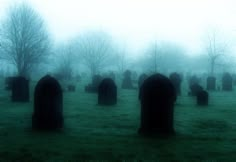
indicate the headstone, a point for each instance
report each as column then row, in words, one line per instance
column 141, row 79
column 175, row 78
column 193, row 80
column 127, row 81
column 20, row 89
column 48, row 105
column 211, row 83
column 107, row 92
column 157, row 96
column 227, row 82
column 194, row 89
column 71, row 88
column 202, row 98
column 93, row 87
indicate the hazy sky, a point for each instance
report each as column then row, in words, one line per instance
column 136, row 22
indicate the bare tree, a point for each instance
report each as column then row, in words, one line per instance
column 24, row 41
column 95, row 49
column 216, row 49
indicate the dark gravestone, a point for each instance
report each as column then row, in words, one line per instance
column 211, row 83
column 227, row 82
column 107, row 92
column 127, row 81
column 141, row 79
column 48, row 105
column 193, row 80
column 194, row 89
column 71, row 88
column 20, row 89
column 157, row 95
column 175, row 78
column 202, row 98
column 93, row 87
column 8, row 83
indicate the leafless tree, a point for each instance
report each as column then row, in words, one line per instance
column 95, row 49
column 216, row 49
column 24, row 38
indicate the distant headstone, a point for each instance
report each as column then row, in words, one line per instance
column 127, row 81
column 175, row 78
column 193, row 80
column 93, row 87
column 194, row 89
column 48, row 105
column 107, row 92
column 157, row 96
column 211, row 83
column 20, row 89
column 141, row 79
column 202, row 98
column 227, row 82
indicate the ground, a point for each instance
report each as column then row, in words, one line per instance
column 98, row 133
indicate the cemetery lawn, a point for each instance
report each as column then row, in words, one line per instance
column 93, row 132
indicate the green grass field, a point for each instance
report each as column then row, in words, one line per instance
column 97, row 133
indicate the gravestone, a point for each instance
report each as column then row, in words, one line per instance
column 48, row 105
column 127, row 81
column 211, row 83
column 202, row 98
column 71, row 88
column 20, row 89
column 157, row 96
column 227, row 82
column 175, row 78
column 141, row 79
column 193, row 80
column 107, row 92
column 194, row 89
column 93, row 87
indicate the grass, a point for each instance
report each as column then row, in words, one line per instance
column 102, row 133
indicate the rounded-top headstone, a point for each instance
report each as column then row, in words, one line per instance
column 157, row 96
column 48, row 104
column 107, row 92
column 227, row 82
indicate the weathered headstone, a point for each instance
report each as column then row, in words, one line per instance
column 211, row 83
column 107, row 92
column 141, row 79
column 127, row 81
column 227, row 82
column 93, row 87
column 20, row 89
column 157, row 96
column 48, row 105
column 194, row 89
column 175, row 78
column 202, row 98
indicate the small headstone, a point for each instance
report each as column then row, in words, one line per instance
column 127, row 81
column 141, row 79
column 48, row 105
column 202, row 98
column 227, row 82
column 107, row 92
column 157, row 96
column 20, row 89
column 175, row 78
column 71, row 88
column 211, row 83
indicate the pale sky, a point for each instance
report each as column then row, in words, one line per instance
column 136, row 22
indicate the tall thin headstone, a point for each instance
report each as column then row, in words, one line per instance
column 157, row 96
column 48, row 105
